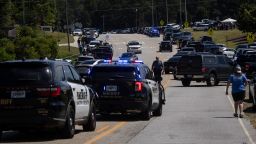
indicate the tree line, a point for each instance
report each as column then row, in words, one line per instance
column 28, row 15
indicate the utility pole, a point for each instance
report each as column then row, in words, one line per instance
column 167, row 15
column 180, row 14
column 103, row 23
column 66, row 7
column 136, row 20
column 152, row 2
column 186, row 15
column 23, row 11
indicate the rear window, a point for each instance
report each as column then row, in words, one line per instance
column 84, row 58
column 113, row 72
column 25, row 74
column 83, row 69
column 209, row 60
column 194, row 61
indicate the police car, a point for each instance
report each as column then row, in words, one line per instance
column 126, row 87
column 36, row 94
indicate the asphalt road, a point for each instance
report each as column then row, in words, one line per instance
column 192, row 115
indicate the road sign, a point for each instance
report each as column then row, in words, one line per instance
column 186, row 24
column 162, row 22
column 250, row 37
column 210, row 31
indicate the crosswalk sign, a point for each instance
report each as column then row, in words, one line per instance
column 250, row 37
column 162, row 22
column 210, row 31
column 186, row 24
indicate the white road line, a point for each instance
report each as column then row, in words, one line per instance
column 242, row 124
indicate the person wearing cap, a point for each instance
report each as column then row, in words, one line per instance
column 157, row 68
column 239, row 82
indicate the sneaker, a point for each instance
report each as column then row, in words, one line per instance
column 235, row 115
column 241, row 115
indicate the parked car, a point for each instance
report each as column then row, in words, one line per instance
column 201, row 27
column 229, row 52
column 85, row 67
column 204, row 67
column 165, row 45
column 130, row 56
column 82, row 58
column 77, row 32
column 43, row 95
column 134, row 46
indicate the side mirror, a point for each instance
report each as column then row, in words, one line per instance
column 83, row 80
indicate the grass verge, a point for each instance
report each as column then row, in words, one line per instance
column 63, row 52
column 219, row 36
column 61, row 37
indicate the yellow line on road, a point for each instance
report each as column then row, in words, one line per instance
column 242, row 124
column 106, row 133
column 102, row 129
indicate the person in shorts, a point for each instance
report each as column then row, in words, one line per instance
column 239, row 82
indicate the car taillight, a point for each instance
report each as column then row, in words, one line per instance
column 138, row 86
column 247, row 67
column 53, row 92
column 204, row 69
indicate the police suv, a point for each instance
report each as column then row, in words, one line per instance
column 47, row 94
column 125, row 87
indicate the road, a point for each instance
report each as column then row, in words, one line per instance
column 192, row 115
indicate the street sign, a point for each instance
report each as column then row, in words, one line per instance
column 186, row 24
column 210, row 31
column 162, row 22
column 250, row 37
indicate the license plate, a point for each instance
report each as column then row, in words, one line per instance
column 18, row 94
column 111, row 88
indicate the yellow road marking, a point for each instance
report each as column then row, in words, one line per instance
column 106, row 133
column 242, row 124
column 102, row 129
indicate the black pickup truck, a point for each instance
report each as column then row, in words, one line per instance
column 204, row 67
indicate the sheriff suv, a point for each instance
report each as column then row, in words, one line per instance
column 124, row 87
column 204, row 67
column 44, row 94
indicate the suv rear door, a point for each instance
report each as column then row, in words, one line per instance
column 114, row 82
column 190, row 64
column 80, row 92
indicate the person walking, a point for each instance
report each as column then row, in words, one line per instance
column 239, row 82
column 157, row 68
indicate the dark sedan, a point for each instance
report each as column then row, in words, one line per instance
column 130, row 56
column 165, row 45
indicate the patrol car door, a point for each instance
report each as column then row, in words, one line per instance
column 80, row 92
column 153, row 86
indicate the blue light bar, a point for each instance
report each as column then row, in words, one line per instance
column 123, row 61
column 107, row 61
column 138, row 61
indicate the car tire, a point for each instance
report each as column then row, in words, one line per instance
column 146, row 115
column 212, row 80
column 159, row 110
column 1, row 134
column 166, row 71
column 90, row 125
column 69, row 127
column 185, row 82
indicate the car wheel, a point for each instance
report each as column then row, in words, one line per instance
column 212, row 80
column 166, row 71
column 1, row 134
column 69, row 127
column 158, row 111
column 185, row 82
column 90, row 125
column 146, row 115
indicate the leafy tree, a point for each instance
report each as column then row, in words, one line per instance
column 247, row 18
column 7, row 49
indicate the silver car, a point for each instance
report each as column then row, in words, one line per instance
column 134, row 46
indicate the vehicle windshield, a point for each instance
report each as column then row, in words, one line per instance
column 133, row 43
column 113, row 72
column 24, row 74
column 126, row 55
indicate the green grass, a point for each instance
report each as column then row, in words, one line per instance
column 219, row 36
column 61, row 37
column 63, row 52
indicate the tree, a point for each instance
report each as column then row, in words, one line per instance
column 6, row 19
column 247, row 17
